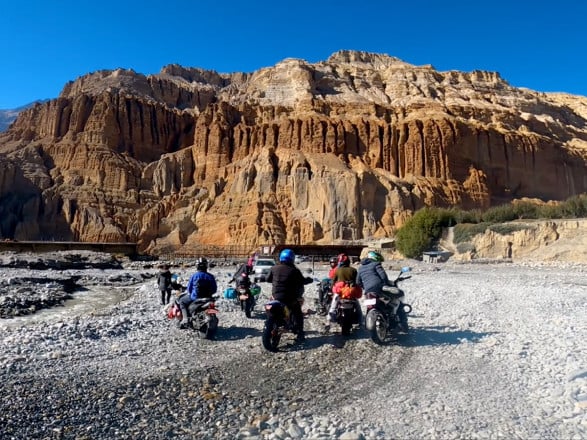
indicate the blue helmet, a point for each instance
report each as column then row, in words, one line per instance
column 287, row 256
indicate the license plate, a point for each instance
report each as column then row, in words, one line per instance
column 370, row 301
column 243, row 297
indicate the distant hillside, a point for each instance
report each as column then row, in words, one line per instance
column 8, row 116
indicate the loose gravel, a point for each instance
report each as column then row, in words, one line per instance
column 496, row 350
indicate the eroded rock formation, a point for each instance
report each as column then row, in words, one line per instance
column 343, row 149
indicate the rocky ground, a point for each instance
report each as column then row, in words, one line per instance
column 496, row 350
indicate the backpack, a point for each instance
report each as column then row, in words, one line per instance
column 347, row 290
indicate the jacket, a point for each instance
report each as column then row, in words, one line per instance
column 287, row 282
column 201, row 285
column 164, row 280
column 345, row 273
column 372, row 277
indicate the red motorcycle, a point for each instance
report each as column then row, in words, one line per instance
column 202, row 315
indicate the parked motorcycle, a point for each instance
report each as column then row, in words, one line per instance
column 202, row 315
column 279, row 321
column 382, row 310
column 247, row 294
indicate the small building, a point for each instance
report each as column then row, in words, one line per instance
column 433, row 256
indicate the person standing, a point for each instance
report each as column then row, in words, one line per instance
column 288, row 287
column 164, row 283
column 201, row 285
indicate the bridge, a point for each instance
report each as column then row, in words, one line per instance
column 129, row 249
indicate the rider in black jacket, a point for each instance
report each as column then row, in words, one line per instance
column 288, row 287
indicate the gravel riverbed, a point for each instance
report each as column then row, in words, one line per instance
column 496, row 350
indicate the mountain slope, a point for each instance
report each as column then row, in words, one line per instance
column 343, row 149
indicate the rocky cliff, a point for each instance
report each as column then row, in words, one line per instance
column 343, row 149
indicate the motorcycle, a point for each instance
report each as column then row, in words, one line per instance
column 346, row 306
column 202, row 316
column 247, row 294
column 382, row 310
column 279, row 321
column 324, row 296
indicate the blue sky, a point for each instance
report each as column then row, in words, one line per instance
column 44, row 44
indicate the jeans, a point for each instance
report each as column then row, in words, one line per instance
column 332, row 311
column 184, row 301
column 295, row 309
column 165, row 296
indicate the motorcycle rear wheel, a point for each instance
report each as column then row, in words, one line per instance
column 346, row 324
column 379, row 330
column 271, row 335
column 211, row 327
column 248, row 307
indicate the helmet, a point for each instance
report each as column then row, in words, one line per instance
column 343, row 260
column 375, row 256
column 287, row 256
column 333, row 262
column 202, row 264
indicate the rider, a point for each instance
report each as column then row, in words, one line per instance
column 345, row 276
column 201, row 285
column 288, row 287
column 333, row 266
column 372, row 278
column 242, row 272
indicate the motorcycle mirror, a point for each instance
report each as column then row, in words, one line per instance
column 406, row 269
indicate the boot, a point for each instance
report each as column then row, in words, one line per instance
column 300, row 338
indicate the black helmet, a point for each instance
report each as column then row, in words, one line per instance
column 202, row 264
column 333, row 261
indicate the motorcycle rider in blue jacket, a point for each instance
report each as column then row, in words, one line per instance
column 372, row 278
column 201, row 285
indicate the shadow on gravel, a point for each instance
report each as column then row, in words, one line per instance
column 439, row 335
column 235, row 333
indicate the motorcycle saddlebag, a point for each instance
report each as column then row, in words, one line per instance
column 174, row 312
column 229, row 293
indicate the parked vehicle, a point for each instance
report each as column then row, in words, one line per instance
column 279, row 321
column 203, row 316
column 382, row 310
column 261, row 268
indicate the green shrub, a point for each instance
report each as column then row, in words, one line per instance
column 464, row 232
column 527, row 210
column 508, row 228
column 421, row 230
column 499, row 214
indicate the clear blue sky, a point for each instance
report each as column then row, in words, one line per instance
column 44, row 44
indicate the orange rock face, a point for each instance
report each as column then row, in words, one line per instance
column 344, row 149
